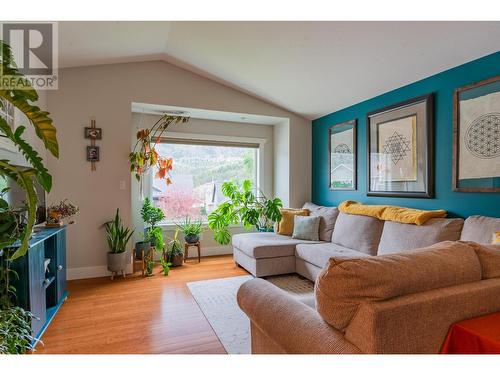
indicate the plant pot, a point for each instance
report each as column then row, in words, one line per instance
column 264, row 229
column 177, row 260
column 117, row 262
column 139, row 247
column 192, row 238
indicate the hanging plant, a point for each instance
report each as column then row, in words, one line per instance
column 144, row 155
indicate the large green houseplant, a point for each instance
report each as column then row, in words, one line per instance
column 15, row 322
column 21, row 98
column 243, row 206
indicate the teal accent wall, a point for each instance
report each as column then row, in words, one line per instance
column 443, row 86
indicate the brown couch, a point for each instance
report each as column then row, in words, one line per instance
column 394, row 303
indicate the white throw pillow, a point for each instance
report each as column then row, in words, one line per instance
column 306, row 228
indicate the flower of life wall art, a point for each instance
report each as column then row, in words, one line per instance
column 476, row 137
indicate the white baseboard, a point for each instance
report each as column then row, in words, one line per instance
column 102, row 271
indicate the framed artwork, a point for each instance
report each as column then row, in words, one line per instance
column 93, row 133
column 93, row 153
column 476, row 137
column 400, row 149
column 342, row 154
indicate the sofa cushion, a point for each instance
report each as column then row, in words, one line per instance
column 361, row 233
column 397, row 237
column 345, row 284
column 266, row 244
column 285, row 226
column 305, row 228
column 480, row 229
column 319, row 254
column 489, row 257
column 328, row 216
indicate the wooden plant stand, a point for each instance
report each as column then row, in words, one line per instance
column 186, row 248
column 142, row 261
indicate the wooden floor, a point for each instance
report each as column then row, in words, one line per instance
column 138, row 315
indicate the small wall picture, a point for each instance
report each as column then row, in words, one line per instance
column 343, row 156
column 93, row 153
column 93, row 133
column 476, row 137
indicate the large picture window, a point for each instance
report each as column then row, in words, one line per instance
column 200, row 169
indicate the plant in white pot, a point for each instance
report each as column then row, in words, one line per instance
column 117, row 236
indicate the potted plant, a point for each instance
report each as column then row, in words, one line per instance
column 191, row 230
column 62, row 210
column 117, row 236
column 144, row 245
column 175, row 254
column 165, row 265
column 153, row 235
column 243, row 206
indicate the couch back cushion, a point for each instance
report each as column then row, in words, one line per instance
column 328, row 216
column 489, row 257
column 357, row 232
column 346, row 284
column 480, row 229
column 397, row 237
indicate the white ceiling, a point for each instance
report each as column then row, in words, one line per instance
column 310, row 68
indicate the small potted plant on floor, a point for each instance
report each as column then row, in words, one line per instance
column 152, row 216
column 117, row 236
column 191, row 230
column 175, row 254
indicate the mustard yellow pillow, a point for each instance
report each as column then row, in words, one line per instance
column 496, row 238
column 285, row 226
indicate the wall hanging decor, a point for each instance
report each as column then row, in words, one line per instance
column 476, row 137
column 400, row 149
column 342, row 154
column 93, row 134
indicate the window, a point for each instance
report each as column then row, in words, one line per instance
column 200, row 169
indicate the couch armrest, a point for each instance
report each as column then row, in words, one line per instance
column 291, row 325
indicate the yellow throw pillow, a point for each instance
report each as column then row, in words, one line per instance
column 285, row 226
column 496, row 238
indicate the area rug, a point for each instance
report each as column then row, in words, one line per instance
column 217, row 300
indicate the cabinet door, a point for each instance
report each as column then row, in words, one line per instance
column 61, row 264
column 37, row 286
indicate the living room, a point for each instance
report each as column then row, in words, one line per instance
column 201, row 185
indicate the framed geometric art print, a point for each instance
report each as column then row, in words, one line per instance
column 342, row 165
column 400, row 149
column 476, row 137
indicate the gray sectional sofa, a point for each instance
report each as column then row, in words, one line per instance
column 350, row 236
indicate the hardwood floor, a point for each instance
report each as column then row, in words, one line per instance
column 138, row 315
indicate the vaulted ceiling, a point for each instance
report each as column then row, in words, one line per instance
column 309, row 68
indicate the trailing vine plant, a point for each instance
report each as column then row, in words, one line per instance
column 44, row 129
column 144, row 155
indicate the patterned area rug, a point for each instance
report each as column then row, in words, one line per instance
column 217, row 301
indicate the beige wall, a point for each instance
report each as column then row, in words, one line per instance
column 107, row 92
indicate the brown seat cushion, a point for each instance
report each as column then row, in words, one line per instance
column 489, row 257
column 345, row 284
column 357, row 232
column 397, row 237
column 328, row 216
column 319, row 254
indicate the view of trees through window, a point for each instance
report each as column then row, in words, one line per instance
column 197, row 177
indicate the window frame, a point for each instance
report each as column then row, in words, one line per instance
column 212, row 140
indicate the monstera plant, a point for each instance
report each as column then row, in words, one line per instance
column 244, row 206
column 21, row 95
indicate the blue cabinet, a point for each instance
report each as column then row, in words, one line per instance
column 41, row 287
